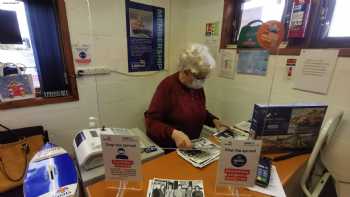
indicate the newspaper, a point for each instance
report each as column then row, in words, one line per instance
column 230, row 134
column 203, row 152
column 175, row 188
column 243, row 126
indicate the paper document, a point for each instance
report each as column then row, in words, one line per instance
column 244, row 126
column 227, row 63
column 274, row 188
column 315, row 69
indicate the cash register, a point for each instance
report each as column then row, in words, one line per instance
column 88, row 151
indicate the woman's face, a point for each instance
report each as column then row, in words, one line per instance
column 193, row 80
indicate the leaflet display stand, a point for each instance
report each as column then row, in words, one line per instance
column 237, row 167
column 227, row 190
column 122, row 163
column 119, row 187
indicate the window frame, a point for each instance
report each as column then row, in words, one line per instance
column 68, row 63
column 314, row 31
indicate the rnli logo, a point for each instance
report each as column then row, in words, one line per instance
column 63, row 191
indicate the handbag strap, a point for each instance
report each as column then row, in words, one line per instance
column 3, row 126
column 25, row 149
column 11, row 132
column 254, row 21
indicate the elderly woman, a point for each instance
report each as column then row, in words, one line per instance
column 178, row 111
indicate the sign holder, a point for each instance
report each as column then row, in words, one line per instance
column 119, row 187
column 228, row 190
column 122, row 162
column 237, row 167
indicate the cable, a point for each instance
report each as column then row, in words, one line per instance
column 3, row 126
column 140, row 75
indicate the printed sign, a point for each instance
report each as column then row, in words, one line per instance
column 145, row 31
column 122, row 157
column 291, row 62
column 82, row 54
column 227, row 63
column 212, row 29
column 238, row 162
column 16, row 87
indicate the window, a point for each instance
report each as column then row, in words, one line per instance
column 263, row 10
column 326, row 26
column 19, row 54
column 341, row 14
column 44, row 50
column 238, row 13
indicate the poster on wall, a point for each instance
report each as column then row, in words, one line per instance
column 145, row 37
column 212, row 30
column 315, row 70
column 227, row 63
column 212, row 37
column 253, row 62
column 82, row 55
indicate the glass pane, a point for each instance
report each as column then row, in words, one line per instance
column 264, row 10
column 339, row 27
column 20, row 54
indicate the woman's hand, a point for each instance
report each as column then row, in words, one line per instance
column 219, row 125
column 181, row 139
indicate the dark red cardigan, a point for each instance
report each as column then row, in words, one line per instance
column 175, row 106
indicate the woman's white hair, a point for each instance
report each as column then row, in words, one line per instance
column 197, row 59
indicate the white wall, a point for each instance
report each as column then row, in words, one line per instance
column 233, row 99
column 229, row 100
column 117, row 100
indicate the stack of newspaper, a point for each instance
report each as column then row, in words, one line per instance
column 203, row 152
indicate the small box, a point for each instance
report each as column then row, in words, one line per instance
column 283, row 127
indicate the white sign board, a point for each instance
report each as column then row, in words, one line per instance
column 238, row 162
column 122, row 157
column 315, row 69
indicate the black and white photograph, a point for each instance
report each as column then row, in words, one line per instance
column 175, row 188
column 203, row 153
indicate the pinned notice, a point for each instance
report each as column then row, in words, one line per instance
column 121, row 156
column 238, row 162
column 315, row 70
column 227, row 63
column 82, row 54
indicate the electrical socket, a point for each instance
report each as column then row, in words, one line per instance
column 95, row 70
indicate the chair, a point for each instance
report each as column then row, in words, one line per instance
column 324, row 140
